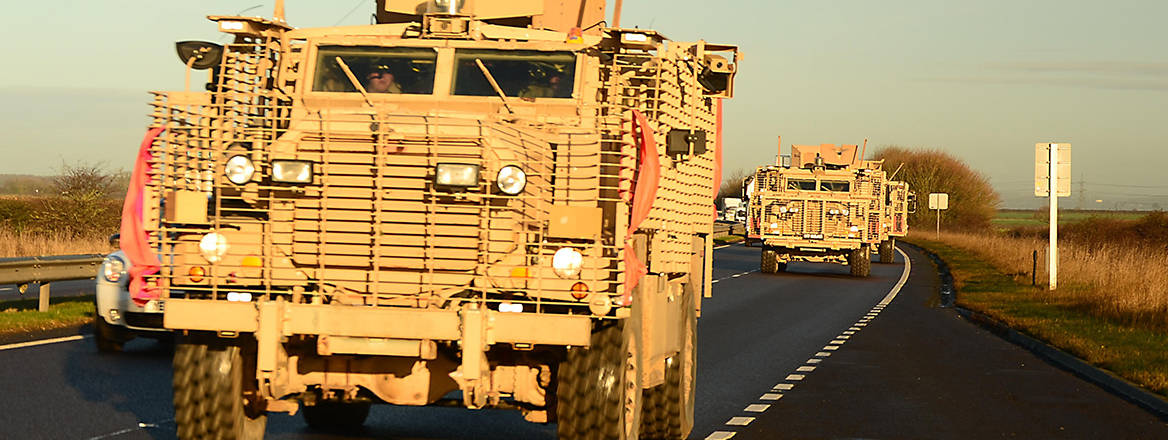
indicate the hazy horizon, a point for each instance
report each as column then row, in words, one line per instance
column 983, row 81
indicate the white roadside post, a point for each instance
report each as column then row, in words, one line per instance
column 938, row 202
column 1052, row 178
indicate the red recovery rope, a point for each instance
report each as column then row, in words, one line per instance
column 134, row 241
column 644, row 192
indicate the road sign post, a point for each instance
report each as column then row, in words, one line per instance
column 939, row 202
column 1052, row 178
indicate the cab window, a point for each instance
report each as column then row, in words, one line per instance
column 402, row 70
column 520, row 73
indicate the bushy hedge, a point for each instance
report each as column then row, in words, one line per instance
column 84, row 200
column 972, row 200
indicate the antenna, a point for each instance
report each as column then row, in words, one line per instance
column 779, row 157
column 864, row 152
column 279, row 12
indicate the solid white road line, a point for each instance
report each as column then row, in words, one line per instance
column 721, row 247
column 43, row 342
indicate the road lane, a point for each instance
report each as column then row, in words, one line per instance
column 920, row 371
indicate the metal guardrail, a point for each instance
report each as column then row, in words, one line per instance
column 45, row 270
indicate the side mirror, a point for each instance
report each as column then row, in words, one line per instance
column 201, row 55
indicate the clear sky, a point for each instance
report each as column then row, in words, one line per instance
column 984, row 80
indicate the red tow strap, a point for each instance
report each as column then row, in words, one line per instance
column 134, row 241
column 644, row 192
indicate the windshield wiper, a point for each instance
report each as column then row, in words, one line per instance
column 495, row 85
column 353, row 79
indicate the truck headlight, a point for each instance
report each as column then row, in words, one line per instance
column 213, row 246
column 291, row 171
column 239, row 169
column 511, row 180
column 113, row 269
column 567, row 262
column 456, row 174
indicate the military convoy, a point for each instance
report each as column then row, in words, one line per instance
column 827, row 204
column 481, row 203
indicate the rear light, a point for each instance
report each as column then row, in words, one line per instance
column 196, row 273
column 579, row 291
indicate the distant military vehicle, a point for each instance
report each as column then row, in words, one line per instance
column 510, row 199
column 826, row 205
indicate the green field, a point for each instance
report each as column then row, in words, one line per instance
column 1008, row 218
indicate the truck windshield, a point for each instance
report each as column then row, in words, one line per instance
column 520, row 73
column 378, row 69
column 834, row 186
column 800, row 185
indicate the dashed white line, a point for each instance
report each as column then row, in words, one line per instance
column 805, row 369
column 814, row 360
column 771, row 396
column 831, row 347
column 822, row 354
column 720, row 435
column 795, row 377
column 740, row 421
column 784, row 387
column 757, row 407
column 43, row 342
column 837, row 342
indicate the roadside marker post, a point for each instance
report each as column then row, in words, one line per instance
column 1052, row 178
column 939, row 202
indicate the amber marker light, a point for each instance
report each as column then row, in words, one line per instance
column 579, row 290
column 196, row 273
column 520, row 272
column 252, row 261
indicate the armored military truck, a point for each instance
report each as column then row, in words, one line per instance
column 826, row 205
column 899, row 202
column 499, row 204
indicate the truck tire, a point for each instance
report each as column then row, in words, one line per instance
column 886, row 250
column 598, row 391
column 860, row 261
column 770, row 261
column 211, row 381
column 109, row 338
column 669, row 407
column 333, row 416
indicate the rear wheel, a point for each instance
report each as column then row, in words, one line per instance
column 335, row 416
column 669, row 407
column 598, row 395
column 215, row 391
column 886, row 250
column 770, row 261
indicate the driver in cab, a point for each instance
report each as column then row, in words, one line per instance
column 381, row 80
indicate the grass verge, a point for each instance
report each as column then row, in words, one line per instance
column 21, row 316
column 1133, row 352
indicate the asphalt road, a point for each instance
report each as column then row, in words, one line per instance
column 56, row 289
column 767, row 363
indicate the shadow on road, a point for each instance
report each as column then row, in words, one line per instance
column 136, row 381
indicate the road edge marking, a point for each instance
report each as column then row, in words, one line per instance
column 43, row 342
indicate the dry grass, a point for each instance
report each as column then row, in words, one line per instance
column 30, row 244
column 1127, row 283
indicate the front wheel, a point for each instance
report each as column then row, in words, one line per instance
column 770, row 261
column 108, row 337
column 598, row 392
column 860, row 261
column 215, row 390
